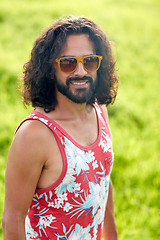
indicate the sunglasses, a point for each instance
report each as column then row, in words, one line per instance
column 90, row 63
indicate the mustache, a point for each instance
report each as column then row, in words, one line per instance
column 90, row 79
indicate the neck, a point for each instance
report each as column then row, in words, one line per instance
column 69, row 108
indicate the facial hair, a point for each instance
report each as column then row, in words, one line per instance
column 81, row 95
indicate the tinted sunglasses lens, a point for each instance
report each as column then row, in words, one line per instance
column 68, row 65
column 91, row 63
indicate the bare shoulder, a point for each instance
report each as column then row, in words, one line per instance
column 31, row 143
column 31, row 130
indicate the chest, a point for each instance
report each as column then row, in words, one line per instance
column 84, row 132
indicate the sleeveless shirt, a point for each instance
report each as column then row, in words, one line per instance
column 73, row 207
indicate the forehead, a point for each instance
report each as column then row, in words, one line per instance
column 78, row 45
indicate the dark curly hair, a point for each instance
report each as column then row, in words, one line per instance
column 39, row 85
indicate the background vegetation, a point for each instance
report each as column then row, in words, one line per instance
column 133, row 26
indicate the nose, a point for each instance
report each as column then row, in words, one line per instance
column 80, row 71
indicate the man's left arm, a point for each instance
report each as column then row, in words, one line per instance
column 109, row 228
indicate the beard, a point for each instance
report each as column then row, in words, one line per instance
column 81, row 95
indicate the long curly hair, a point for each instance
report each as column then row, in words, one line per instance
column 38, row 76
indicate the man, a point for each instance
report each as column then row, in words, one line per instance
column 58, row 169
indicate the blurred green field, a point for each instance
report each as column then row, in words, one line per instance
column 133, row 26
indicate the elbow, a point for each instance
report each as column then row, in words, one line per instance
column 110, row 233
column 12, row 225
column 115, row 234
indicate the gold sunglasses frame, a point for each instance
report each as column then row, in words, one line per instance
column 79, row 59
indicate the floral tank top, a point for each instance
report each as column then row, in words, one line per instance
column 73, row 207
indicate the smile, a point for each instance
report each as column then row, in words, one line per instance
column 79, row 83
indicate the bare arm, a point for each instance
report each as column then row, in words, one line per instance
column 109, row 229
column 24, row 165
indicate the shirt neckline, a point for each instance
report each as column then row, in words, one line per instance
column 66, row 134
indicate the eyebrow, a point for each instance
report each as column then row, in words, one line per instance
column 70, row 56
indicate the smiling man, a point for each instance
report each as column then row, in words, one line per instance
column 58, row 170
column 80, row 86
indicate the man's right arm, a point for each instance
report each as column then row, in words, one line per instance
column 24, row 165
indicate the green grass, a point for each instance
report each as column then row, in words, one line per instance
column 133, row 27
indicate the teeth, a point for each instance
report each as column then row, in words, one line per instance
column 79, row 83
